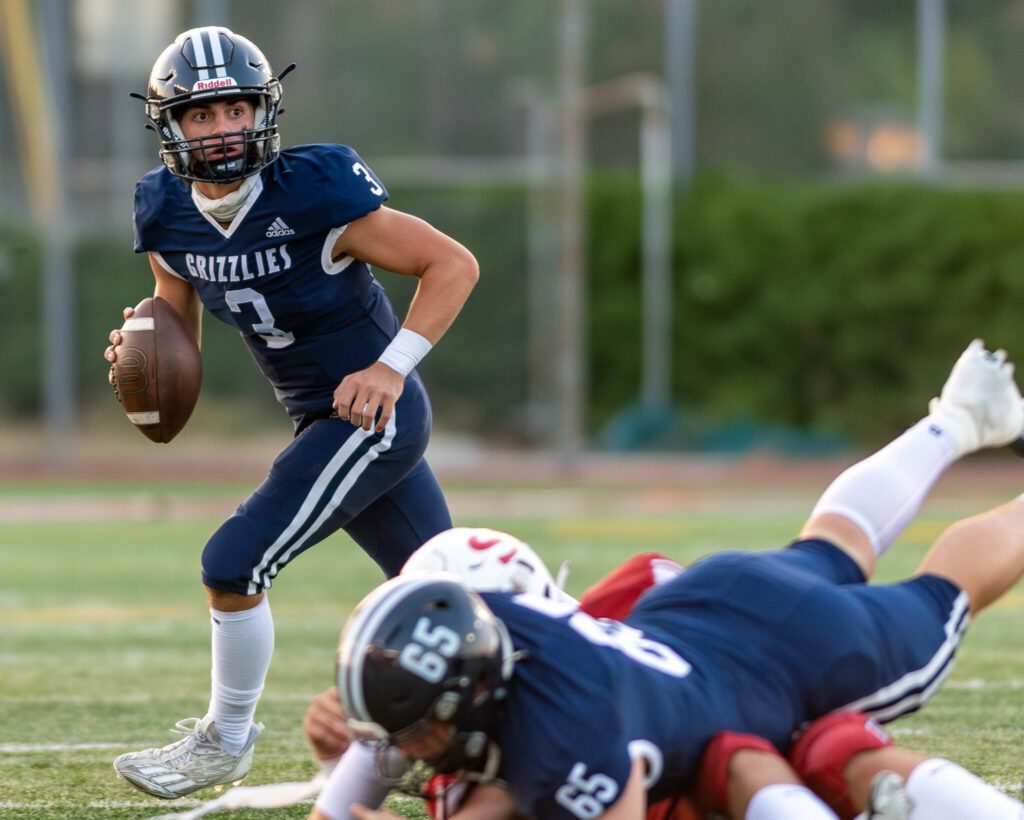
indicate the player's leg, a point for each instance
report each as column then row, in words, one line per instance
column 218, row 748
column 983, row 555
column 850, row 761
column 745, row 776
column 825, row 752
column 870, row 503
column 326, row 476
column 896, row 656
column 324, row 481
column 397, row 523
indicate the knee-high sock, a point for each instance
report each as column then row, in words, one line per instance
column 243, row 643
column 882, row 493
column 787, row 801
column 941, row 790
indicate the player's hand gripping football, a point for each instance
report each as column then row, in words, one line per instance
column 360, row 396
column 115, row 339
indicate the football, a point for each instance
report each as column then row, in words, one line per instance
column 158, row 370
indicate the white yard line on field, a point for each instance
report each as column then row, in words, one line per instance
column 284, row 697
column 20, row 748
column 979, row 683
column 39, row 748
column 95, row 804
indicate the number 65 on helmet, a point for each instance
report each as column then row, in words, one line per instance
column 421, row 649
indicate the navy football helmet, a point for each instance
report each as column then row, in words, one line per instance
column 209, row 63
column 424, row 648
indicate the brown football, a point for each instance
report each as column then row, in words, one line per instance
column 158, row 371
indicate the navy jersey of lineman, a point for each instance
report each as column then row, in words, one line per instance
column 307, row 319
column 588, row 698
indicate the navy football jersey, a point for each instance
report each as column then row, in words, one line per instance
column 308, row 320
column 590, row 696
column 750, row 642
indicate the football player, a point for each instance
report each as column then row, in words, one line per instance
column 735, row 769
column 486, row 560
column 583, row 718
column 278, row 243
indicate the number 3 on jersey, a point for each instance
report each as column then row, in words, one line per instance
column 273, row 336
column 361, row 170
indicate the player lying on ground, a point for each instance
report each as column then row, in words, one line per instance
column 487, row 560
column 740, row 776
column 584, row 718
column 734, row 769
column 278, row 244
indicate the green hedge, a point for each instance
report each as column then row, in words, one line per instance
column 21, row 349
column 797, row 306
column 811, row 306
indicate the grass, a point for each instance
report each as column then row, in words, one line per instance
column 104, row 635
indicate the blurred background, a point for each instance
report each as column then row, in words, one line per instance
column 703, row 225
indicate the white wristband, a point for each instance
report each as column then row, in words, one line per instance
column 405, row 351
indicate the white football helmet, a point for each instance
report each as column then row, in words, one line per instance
column 487, row 561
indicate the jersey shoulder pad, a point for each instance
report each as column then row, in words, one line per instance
column 347, row 187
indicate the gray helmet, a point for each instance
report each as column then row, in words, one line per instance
column 208, row 63
column 423, row 648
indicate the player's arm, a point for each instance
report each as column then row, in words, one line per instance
column 632, row 804
column 182, row 297
column 486, row 802
column 406, row 245
column 447, row 273
column 324, row 726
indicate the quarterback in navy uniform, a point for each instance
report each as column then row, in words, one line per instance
column 279, row 244
column 582, row 717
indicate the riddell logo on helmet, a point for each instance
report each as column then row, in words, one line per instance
column 210, row 85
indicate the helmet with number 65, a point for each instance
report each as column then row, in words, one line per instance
column 421, row 649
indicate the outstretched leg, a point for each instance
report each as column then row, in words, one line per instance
column 983, row 555
column 867, row 506
column 850, row 761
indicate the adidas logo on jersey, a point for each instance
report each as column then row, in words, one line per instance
column 278, row 228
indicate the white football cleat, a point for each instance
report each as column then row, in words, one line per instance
column 192, row 763
column 980, row 405
column 888, row 798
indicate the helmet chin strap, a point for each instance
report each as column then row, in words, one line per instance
column 227, row 207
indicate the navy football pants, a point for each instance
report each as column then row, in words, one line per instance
column 377, row 487
column 796, row 634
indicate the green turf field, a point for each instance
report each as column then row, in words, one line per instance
column 104, row 635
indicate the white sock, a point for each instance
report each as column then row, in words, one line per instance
column 883, row 493
column 354, row 779
column 941, row 790
column 243, row 643
column 787, row 801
